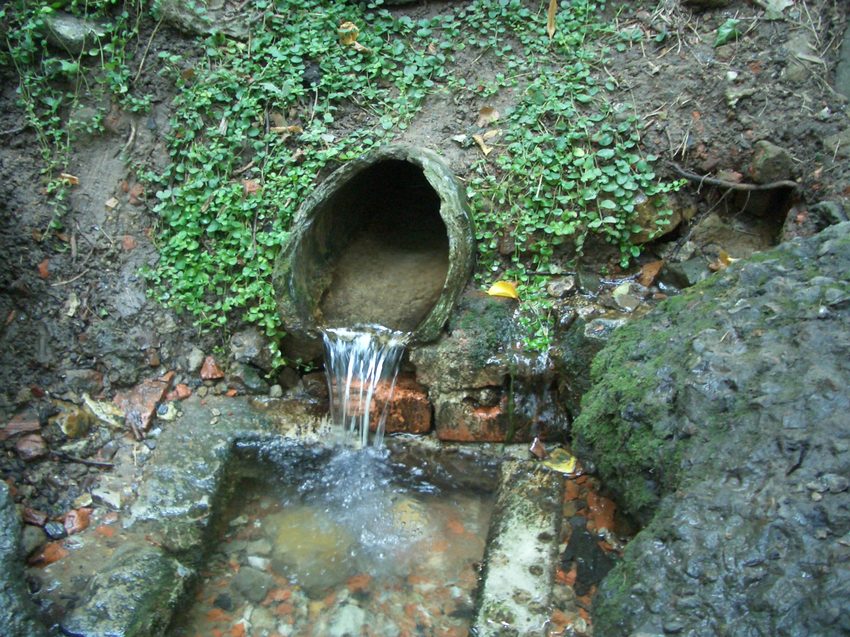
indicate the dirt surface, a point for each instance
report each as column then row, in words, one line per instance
column 75, row 318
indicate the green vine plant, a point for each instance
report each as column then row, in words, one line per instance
column 257, row 122
column 55, row 84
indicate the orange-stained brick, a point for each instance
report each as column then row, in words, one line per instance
column 572, row 491
column 50, row 552
column 238, row 630
column 601, row 512
column 440, row 545
column 568, row 578
column 230, row 393
column 217, row 633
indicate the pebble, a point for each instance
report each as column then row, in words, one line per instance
column 215, row 411
column 275, row 391
column 55, row 530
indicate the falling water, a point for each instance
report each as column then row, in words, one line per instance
column 361, row 364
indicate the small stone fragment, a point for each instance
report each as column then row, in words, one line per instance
column 195, row 359
column 31, row 447
column 55, row 530
column 51, row 552
column 210, row 369
column 770, row 163
column 20, row 423
column 77, row 520
column 275, row 391
column 561, row 287
column 34, row 516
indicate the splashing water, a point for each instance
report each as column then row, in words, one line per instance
column 361, row 364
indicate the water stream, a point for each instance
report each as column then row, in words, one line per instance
column 361, row 364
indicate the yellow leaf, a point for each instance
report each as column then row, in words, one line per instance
column 506, row 289
column 550, row 18
column 347, row 32
column 69, row 179
column 562, row 461
column 484, row 147
column 490, row 134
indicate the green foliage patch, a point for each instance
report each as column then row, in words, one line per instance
column 257, row 122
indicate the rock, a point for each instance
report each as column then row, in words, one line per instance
column 108, row 495
column 348, row 619
column 253, row 584
column 71, row 34
column 17, row 612
column 838, row 144
column 688, row 423
column 588, row 281
column 561, row 287
column 685, row 274
column 210, row 369
column 194, row 360
column 246, row 379
column 626, row 297
column 55, row 530
column 84, row 381
column 140, row 403
column 32, row 539
column 656, row 216
column 25, row 422
column 203, row 18
column 275, row 391
column 31, row 447
column 770, row 163
column 251, row 347
column 133, row 593
column 575, row 345
column 583, row 550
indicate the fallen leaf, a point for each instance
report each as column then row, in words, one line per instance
column 505, row 289
column 550, row 18
column 250, row 186
column 348, row 32
column 69, row 179
column 490, row 134
column 71, row 305
column 562, row 461
column 111, row 203
column 723, row 261
column 486, row 116
column 44, row 268
column 136, row 195
column 105, row 411
column 286, row 130
column 484, row 147
column 128, row 242
column 648, row 273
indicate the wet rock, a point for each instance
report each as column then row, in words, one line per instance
column 741, row 497
column 656, row 216
column 224, row 602
column 770, row 163
column 575, row 346
column 626, row 296
column 55, row 530
column 134, row 593
column 109, row 495
column 246, row 379
column 71, row 34
column 77, row 520
column 32, row 539
column 253, row 584
column 588, row 281
column 31, row 447
column 275, row 391
column 685, row 274
column 562, row 286
column 17, row 613
column 140, row 403
column 252, row 347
